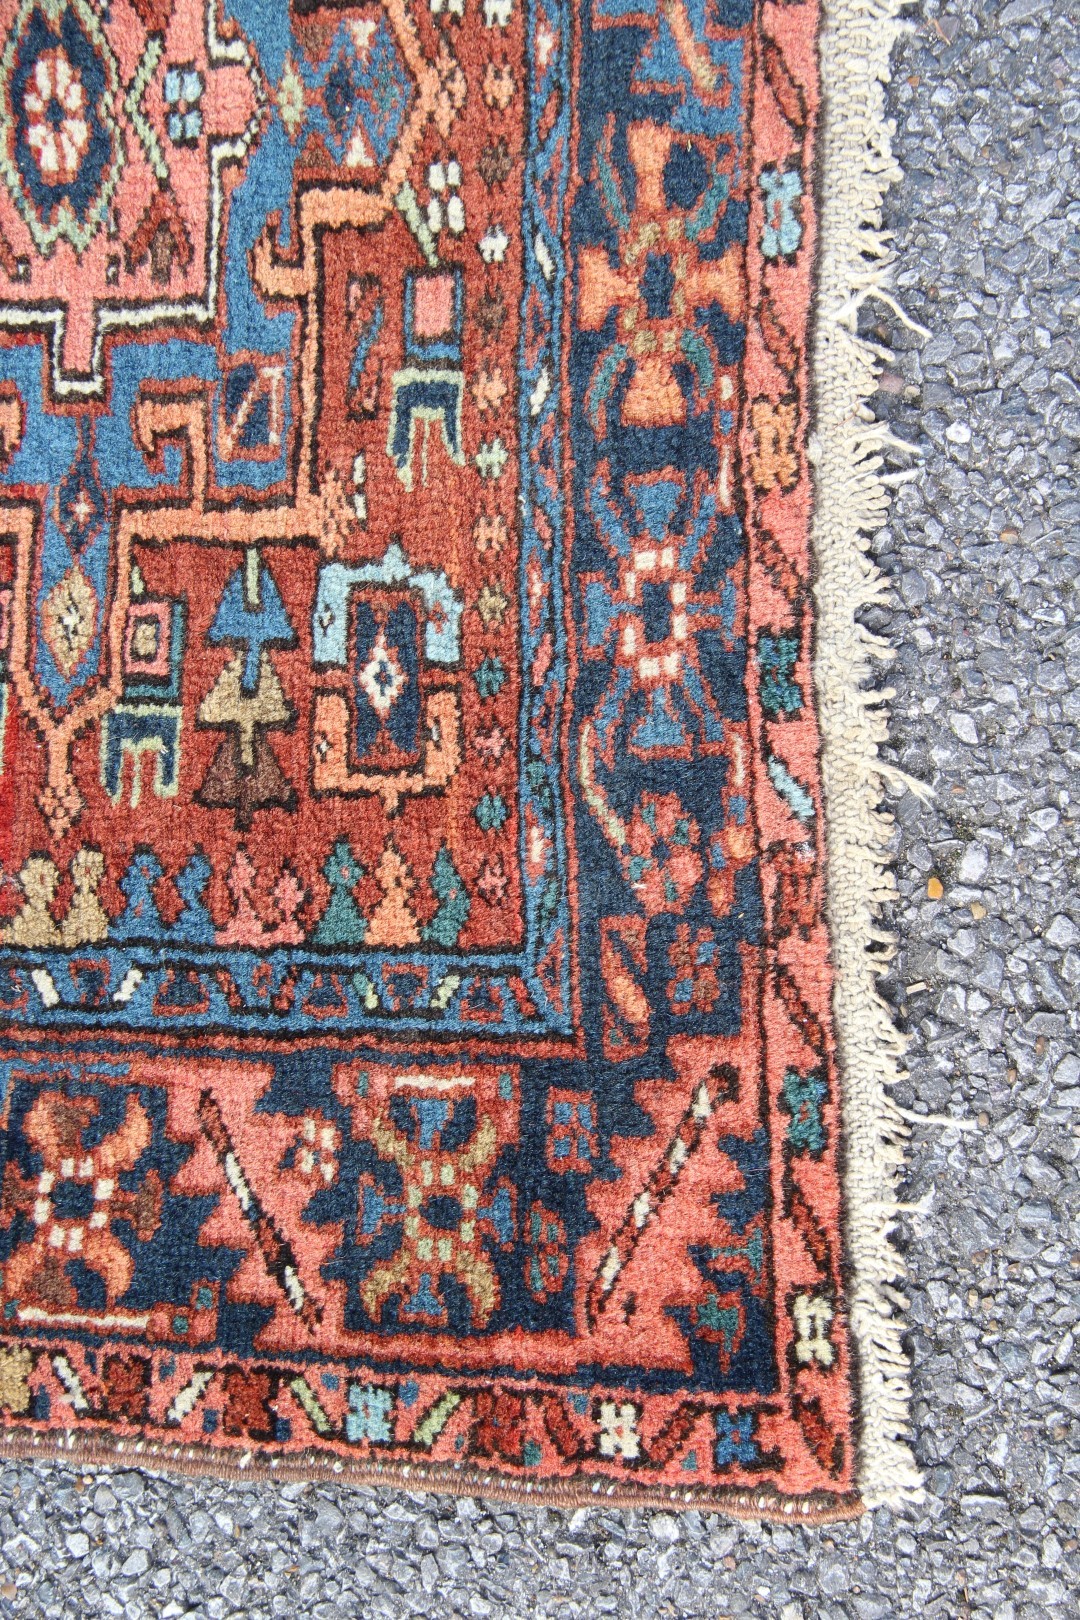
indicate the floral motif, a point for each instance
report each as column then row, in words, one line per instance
column 662, row 862
column 247, row 1403
column 774, row 459
column 618, row 1435
column 449, row 1217
column 693, row 958
column 71, row 1203
column 735, row 1441
column 445, row 206
column 127, row 1380
column 548, row 1253
column 368, row 1417
column 500, row 1424
column 57, row 132
column 662, row 286
column 803, row 1097
column 183, row 94
column 315, row 1151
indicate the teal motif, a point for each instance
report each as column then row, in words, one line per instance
column 803, row 1097
column 368, row 1417
column 782, row 232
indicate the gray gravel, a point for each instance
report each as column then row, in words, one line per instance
column 983, row 548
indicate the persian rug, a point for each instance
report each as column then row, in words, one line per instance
column 440, row 863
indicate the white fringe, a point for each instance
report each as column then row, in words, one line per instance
column 852, row 498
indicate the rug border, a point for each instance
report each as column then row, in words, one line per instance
column 851, row 498
column 855, row 168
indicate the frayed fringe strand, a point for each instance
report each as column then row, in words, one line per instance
column 852, row 499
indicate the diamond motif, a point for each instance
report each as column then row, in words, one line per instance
column 364, row 94
column 69, row 620
column 61, row 149
column 81, row 504
column 382, row 677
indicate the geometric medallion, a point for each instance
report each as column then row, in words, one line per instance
column 62, row 146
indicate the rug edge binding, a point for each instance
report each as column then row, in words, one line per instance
column 852, row 495
column 78, row 1451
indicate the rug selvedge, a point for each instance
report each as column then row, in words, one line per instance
column 415, row 983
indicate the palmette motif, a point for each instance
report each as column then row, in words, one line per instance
column 415, row 989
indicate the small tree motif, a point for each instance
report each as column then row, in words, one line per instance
column 86, row 922
column 248, row 924
column 247, row 699
column 342, row 923
column 288, row 895
column 245, row 926
column 454, row 904
column 393, row 921
column 34, row 924
column 140, row 918
column 245, row 775
column 194, row 924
